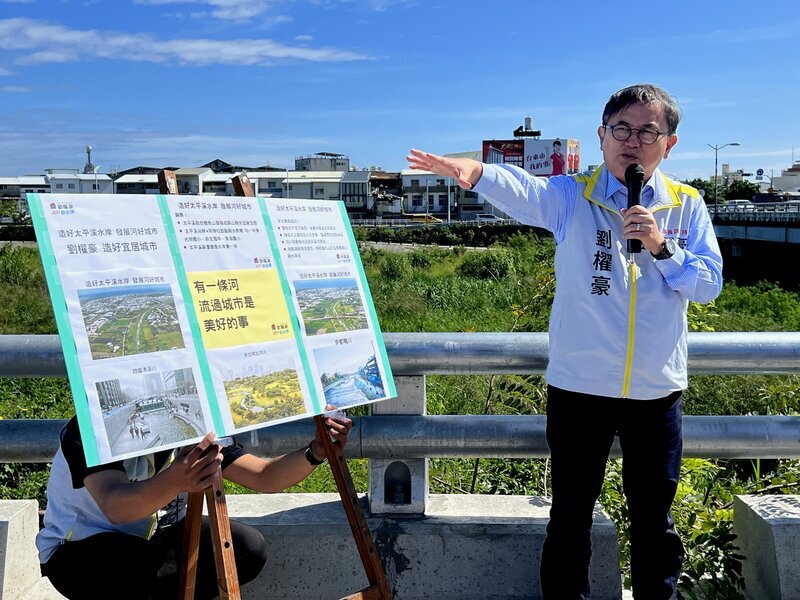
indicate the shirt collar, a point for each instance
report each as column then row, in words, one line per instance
column 614, row 186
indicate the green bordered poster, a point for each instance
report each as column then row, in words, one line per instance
column 180, row 315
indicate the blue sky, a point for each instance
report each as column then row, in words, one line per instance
column 255, row 82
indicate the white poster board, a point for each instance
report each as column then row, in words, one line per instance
column 180, row 315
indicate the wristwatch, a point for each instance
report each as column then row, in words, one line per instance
column 667, row 250
column 312, row 460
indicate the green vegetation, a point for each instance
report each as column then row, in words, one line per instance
column 507, row 287
column 331, row 309
column 736, row 190
column 130, row 323
column 264, row 398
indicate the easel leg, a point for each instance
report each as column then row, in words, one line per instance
column 378, row 587
column 191, row 546
column 227, row 578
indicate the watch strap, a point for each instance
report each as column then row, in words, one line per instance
column 667, row 250
column 309, row 453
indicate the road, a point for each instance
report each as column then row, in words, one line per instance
column 401, row 248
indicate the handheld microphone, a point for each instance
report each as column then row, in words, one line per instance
column 634, row 180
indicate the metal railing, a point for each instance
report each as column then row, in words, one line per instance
column 778, row 212
column 427, row 436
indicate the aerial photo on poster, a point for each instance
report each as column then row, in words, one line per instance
column 131, row 319
column 349, row 372
column 264, row 391
column 330, row 305
column 150, row 408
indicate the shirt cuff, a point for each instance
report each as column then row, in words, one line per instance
column 487, row 181
column 673, row 265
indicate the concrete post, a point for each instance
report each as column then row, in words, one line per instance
column 19, row 560
column 768, row 535
column 400, row 485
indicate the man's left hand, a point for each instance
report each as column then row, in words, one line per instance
column 639, row 224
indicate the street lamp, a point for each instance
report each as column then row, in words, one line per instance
column 716, row 181
column 449, row 184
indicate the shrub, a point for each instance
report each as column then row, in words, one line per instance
column 491, row 264
column 395, row 266
column 419, row 259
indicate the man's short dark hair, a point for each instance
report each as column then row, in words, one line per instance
column 556, row 142
column 644, row 93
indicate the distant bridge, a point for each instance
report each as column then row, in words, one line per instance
column 766, row 222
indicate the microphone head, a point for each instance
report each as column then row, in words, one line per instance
column 634, row 172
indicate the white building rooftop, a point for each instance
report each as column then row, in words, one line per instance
column 138, row 178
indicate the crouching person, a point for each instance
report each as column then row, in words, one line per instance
column 116, row 530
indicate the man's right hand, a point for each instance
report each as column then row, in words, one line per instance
column 466, row 171
column 195, row 468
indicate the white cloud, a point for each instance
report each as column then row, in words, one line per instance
column 303, row 38
column 376, row 5
column 280, row 19
column 43, row 42
column 14, row 89
column 4, row 72
column 233, row 10
column 381, row 5
column 128, row 139
column 17, row 1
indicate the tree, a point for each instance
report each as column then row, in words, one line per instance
column 741, row 190
column 706, row 186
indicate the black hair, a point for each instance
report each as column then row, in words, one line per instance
column 644, row 93
column 556, row 142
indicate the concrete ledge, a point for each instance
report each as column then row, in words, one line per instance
column 768, row 530
column 466, row 547
column 19, row 562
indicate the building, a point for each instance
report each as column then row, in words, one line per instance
column 14, row 188
column 191, row 181
column 322, row 161
column 269, row 184
column 466, row 203
column 72, row 181
column 184, row 382
column 313, row 185
column 109, row 393
column 424, row 192
column 355, row 193
column 727, row 176
column 789, row 180
column 386, row 191
column 136, row 183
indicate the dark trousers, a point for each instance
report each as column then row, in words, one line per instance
column 580, row 431
column 117, row 565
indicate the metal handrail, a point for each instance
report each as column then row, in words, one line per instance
column 417, row 354
column 452, row 436
column 457, row 353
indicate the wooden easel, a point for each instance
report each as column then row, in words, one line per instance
column 227, row 578
column 378, row 588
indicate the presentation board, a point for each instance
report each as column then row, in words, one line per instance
column 180, row 315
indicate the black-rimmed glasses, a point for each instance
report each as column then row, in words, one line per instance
column 646, row 136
